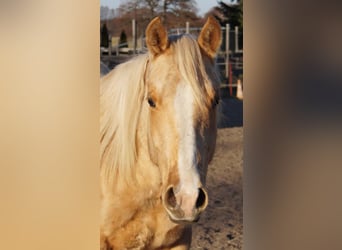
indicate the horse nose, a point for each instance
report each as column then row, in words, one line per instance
column 202, row 199
column 185, row 207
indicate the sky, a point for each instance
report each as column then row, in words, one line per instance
column 203, row 5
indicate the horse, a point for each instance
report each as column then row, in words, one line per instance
column 157, row 136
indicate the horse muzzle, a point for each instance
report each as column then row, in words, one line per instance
column 185, row 208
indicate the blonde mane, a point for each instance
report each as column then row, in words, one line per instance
column 122, row 93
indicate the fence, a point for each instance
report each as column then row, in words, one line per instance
column 229, row 58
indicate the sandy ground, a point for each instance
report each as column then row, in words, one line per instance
column 220, row 226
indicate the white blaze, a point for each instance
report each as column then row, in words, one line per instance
column 188, row 173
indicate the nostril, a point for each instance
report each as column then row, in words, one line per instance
column 202, row 199
column 170, row 198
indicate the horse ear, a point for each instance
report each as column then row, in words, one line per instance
column 210, row 37
column 156, row 37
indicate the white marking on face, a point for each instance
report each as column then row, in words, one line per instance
column 187, row 169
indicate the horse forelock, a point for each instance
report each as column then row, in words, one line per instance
column 195, row 69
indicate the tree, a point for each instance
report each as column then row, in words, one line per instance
column 232, row 14
column 168, row 9
column 123, row 40
column 106, row 13
column 173, row 12
column 104, row 41
column 152, row 5
column 180, row 9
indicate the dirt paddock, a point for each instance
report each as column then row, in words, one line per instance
column 220, row 226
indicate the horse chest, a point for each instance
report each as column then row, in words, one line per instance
column 149, row 229
column 166, row 233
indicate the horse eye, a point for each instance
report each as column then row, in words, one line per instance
column 151, row 102
column 216, row 101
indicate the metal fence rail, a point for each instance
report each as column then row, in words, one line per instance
column 229, row 59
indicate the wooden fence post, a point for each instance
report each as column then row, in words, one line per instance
column 227, row 58
column 134, row 36
column 236, row 39
column 187, row 28
column 227, row 49
column 110, row 45
column 230, row 80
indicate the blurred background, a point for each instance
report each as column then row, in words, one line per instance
column 292, row 61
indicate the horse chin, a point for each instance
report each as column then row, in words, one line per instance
column 184, row 221
column 177, row 216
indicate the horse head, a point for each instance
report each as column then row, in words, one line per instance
column 181, row 97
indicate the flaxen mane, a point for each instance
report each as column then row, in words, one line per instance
column 122, row 97
column 193, row 70
column 120, row 104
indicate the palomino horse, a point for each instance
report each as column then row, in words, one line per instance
column 158, row 134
